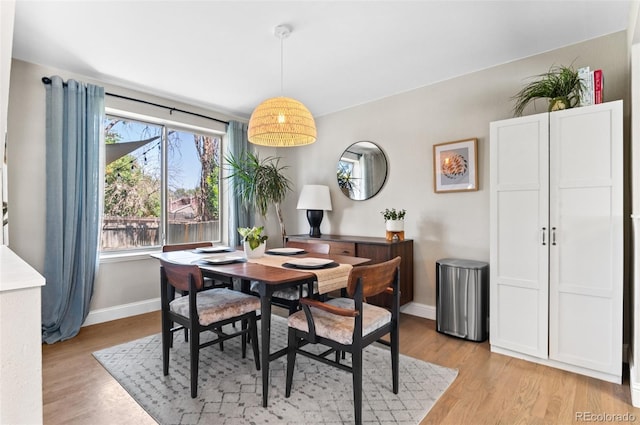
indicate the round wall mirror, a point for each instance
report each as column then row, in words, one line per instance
column 362, row 170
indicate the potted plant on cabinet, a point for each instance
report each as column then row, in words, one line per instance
column 253, row 240
column 260, row 183
column 394, row 219
column 561, row 85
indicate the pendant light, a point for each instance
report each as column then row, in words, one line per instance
column 281, row 121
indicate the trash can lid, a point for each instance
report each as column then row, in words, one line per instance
column 465, row 264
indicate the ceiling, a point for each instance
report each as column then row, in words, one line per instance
column 223, row 55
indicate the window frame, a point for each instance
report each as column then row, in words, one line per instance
column 131, row 254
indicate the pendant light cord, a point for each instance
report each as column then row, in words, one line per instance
column 281, row 66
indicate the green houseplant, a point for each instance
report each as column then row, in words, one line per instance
column 394, row 219
column 253, row 240
column 253, row 235
column 259, row 183
column 561, row 85
column 393, row 214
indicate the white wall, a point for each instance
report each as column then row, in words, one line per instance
column 406, row 126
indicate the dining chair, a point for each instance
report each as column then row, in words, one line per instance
column 208, row 283
column 288, row 297
column 201, row 311
column 349, row 325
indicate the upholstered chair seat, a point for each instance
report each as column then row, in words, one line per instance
column 340, row 328
column 215, row 305
column 289, row 294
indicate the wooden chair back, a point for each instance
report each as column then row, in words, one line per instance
column 180, row 275
column 183, row 246
column 317, row 247
column 376, row 278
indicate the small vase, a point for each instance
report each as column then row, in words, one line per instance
column 254, row 253
column 395, row 225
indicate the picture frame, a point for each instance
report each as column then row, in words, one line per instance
column 455, row 166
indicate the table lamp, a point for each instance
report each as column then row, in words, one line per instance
column 315, row 199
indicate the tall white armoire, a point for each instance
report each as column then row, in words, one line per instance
column 556, row 260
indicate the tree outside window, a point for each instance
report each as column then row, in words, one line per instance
column 134, row 216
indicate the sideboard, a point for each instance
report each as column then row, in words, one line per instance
column 378, row 250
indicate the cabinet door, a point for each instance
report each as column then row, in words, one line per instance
column 586, row 251
column 519, row 234
column 384, row 252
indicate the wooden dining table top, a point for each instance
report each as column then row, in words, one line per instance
column 254, row 271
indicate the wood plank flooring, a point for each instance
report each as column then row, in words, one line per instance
column 490, row 388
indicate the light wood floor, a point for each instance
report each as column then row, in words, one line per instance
column 490, row 388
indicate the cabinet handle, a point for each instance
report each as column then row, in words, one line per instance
column 544, row 236
column 553, row 236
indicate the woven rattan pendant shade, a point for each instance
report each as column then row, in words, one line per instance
column 281, row 121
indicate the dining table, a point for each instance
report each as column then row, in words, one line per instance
column 283, row 269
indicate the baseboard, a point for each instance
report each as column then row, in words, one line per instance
column 420, row 310
column 125, row 310
column 121, row 311
column 634, row 385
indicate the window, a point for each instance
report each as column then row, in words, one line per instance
column 162, row 185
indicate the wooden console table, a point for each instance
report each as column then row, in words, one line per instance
column 379, row 250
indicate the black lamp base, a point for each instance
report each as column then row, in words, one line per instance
column 314, row 217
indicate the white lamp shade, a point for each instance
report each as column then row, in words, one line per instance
column 314, row 197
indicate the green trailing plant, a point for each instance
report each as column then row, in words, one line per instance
column 561, row 85
column 393, row 214
column 259, row 183
column 253, row 235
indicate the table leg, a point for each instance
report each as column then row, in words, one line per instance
column 265, row 324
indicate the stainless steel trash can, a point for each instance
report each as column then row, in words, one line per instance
column 462, row 298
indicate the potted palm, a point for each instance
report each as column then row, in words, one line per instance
column 561, row 85
column 394, row 219
column 260, row 183
column 253, row 240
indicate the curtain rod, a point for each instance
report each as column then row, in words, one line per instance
column 47, row 80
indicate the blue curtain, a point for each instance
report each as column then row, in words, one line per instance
column 239, row 216
column 74, row 138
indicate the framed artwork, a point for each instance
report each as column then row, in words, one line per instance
column 455, row 166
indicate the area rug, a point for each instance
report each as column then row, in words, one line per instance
column 230, row 388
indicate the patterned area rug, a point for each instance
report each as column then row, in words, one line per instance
column 230, row 389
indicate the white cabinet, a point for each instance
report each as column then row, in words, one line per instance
column 20, row 341
column 556, row 273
